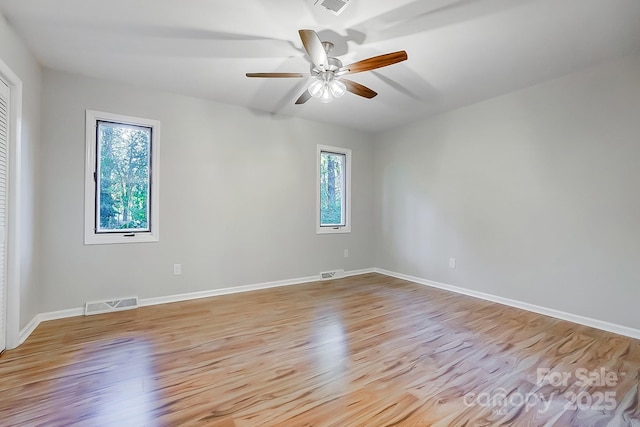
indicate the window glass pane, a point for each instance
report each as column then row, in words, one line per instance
column 123, row 184
column 332, row 186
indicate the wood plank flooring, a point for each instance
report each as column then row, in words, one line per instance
column 363, row 351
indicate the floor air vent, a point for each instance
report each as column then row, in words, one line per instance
column 98, row 307
column 335, row 274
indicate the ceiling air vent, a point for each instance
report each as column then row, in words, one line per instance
column 335, row 6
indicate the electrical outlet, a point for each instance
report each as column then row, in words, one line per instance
column 177, row 269
column 452, row 263
column 346, row 253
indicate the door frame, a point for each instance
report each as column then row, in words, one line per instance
column 14, row 204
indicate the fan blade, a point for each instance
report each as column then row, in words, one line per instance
column 373, row 63
column 358, row 89
column 314, row 48
column 278, row 75
column 304, row 97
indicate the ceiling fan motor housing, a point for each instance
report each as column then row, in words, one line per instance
column 334, row 64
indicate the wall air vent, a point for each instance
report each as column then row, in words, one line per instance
column 335, row 6
column 98, row 307
column 335, row 274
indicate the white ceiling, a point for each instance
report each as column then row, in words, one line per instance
column 460, row 51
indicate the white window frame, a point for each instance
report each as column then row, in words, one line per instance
column 347, row 187
column 90, row 235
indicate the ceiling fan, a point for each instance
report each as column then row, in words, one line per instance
column 327, row 71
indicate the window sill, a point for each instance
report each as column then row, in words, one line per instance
column 114, row 239
column 333, row 230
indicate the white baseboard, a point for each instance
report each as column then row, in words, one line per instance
column 581, row 320
column 61, row 314
column 27, row 330
column 144, row 302
column 42, row 317
column 72, row 312
column 237, row 289
column 359, row 272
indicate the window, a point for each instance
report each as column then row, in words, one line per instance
column 334, row 190
column 121, row 179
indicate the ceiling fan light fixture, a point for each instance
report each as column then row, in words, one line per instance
column 317, row 88
column 327, row 96
column 337, row 88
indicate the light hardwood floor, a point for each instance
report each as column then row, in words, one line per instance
column 363, row 351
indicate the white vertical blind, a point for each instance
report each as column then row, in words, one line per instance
column 4, row 160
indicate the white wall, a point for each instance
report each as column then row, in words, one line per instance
column 16, row 55
column 536, row 193
column 237, row 202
